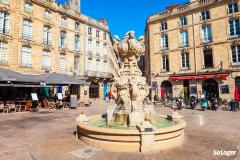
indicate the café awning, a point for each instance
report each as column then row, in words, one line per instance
column 31, row 79
column 199, row 77
column 57, row 78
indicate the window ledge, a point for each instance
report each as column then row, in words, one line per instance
column 235, row 64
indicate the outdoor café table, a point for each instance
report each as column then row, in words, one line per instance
column 20, row 105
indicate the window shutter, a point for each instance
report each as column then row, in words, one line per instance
column 3, row 52
column 30, row 30
column 7, row 24
column 1, row 21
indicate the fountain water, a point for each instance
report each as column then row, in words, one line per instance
column 132, row 124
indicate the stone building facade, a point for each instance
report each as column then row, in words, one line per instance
column 194, row 49
column 41, row 36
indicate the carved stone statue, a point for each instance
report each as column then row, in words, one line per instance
column 129, row 86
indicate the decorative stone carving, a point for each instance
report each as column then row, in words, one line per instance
column 129, row 86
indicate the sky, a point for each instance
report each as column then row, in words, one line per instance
column 125, row 15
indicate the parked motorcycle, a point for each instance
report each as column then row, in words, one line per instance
column 179, row 103
column 193, row 102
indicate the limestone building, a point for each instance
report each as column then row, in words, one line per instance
column 41, row 36
column 194, row 49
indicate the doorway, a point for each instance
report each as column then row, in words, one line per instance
column 94, row 90
column 166, row 89
column 210, row 88
column 186, row 89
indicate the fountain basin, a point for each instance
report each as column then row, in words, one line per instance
column 129, row 139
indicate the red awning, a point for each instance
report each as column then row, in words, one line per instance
column 206, row 76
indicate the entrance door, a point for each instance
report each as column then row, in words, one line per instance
column 94, row 90
column 166, row 89
column 210, row 88
column 237, row 83
column 186, row 89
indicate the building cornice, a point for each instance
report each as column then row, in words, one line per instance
column 184, row 9
column 64, row 10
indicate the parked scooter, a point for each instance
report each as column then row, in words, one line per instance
column 204, row 103
column 193, row 102
column 179, row 103
column 215, row 104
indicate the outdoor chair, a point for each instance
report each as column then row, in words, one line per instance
column 87, row 102
column 10, row 105
column 49, row 104
column 2, row 106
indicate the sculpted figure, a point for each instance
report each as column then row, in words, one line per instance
column 130, row 87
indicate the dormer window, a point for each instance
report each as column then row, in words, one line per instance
column 28, row 8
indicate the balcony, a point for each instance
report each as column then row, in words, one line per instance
column 207, row 40
column 28, row 10
column 3, row 62
column 233, row 36
column 183, row 45
column 27, row 37
column 47, row 17
column 164, row 48
column 5, row 2
column 49, row 43
column 4, row 31
column 90, row 73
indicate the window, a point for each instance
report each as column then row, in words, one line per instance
column 98, row 48
column 77, row 26
column 224, row 89
column 64, row 21
column 206, row 34
column 183, row 21
column 205, row 15
column 63, row 39
column 105, row 67
column 164, row 42
column 165, row 63
column 234, row 28
column 48, row 15
column 3, row 52
column 77, row 48
column 208, row 58
column 27, row 29
column 90, row 65
column 236, row 54
column 105, row 49
column 4, row 23
column 28, row 7
column 185, row 60
column 26, row 56
column 233, row 7
column 47, row 36
column 104, row 36
column 183, row 38
column 163, row 26
column 76, row 62
column 97, row 66
column 46, row 59
column 89, row 45
column 62, row 64
column 97, row 33
column 89, row 31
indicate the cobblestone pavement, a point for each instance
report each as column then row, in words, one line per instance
column 49, row 135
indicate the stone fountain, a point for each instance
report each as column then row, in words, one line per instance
column 132, row 124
